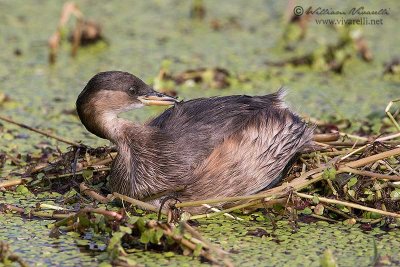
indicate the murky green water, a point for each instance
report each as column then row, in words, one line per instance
column 141, row 35
column 280, row 247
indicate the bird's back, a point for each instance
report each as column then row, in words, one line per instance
column 233, row 145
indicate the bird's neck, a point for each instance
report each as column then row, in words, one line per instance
column 136, row 167
column 116, row 129
column 107, row 125
column 137, row 170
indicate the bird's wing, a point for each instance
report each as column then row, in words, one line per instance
column 214, row 111
column 197, row 126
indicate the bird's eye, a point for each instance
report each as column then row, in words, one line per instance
column 132, row 89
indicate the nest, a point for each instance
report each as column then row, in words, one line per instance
column 350, row 178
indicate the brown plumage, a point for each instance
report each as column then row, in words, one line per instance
column 212, row 147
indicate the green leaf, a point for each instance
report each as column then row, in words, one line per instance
column 352, row 181
column 70, row 193
column 115, row 240
column 87, row 174
column 159, row 234
column 395, row 194
column 125, row 229
column 197, row 250
column 329, row 174
column 23, row 190
column 141, row 224
column 351, row 193
column 84, row 220
column 153, row 236
column 169, row 254
column 375, row 215
column 307, row 211
column 133, row 219
column 145, row 236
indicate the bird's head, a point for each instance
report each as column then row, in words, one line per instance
column 109, row 93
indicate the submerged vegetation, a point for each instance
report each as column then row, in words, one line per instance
column 338, row 204
column 84, row 32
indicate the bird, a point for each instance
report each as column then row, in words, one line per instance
column 203, row 148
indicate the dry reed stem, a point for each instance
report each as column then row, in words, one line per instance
column 76, row 173
column 206, row 244
column 225, row 214
column 373, row 158
column 371, row 174
column 353, row 136
column 388, row 137
column 354, row 152
column 326, row 137
column 299, row 183
column 104, row 212
column 61, row 139
column 6, row 256
column 105, row 161
column 209, row 215
column 263, row 194
column 13, row 182
column 180, row 239
column 346, row 143
column 337, row 211
column 69, row 8
column 29, row 179
column 349, row 204
column 36, row 213
column 93, row 194
column 387, row 111
column 95, row 163
column 52, row 207
column 323, row 218
column 139, row 203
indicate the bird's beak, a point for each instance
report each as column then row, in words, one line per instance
column 157, row 99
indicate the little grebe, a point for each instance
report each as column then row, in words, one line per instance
column 212, row 147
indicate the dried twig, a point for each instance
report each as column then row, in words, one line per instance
column 138, row 203
column 371, row 174
column 91, row 193
column 206, row 244
column 228, row 215
column 7, row 255
column 61, row 139
column 387, row 111
column 349, row 204
column 299, row 183
column 14, row 182
column 326, row 137
column 183, row 241
column 36, row 213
